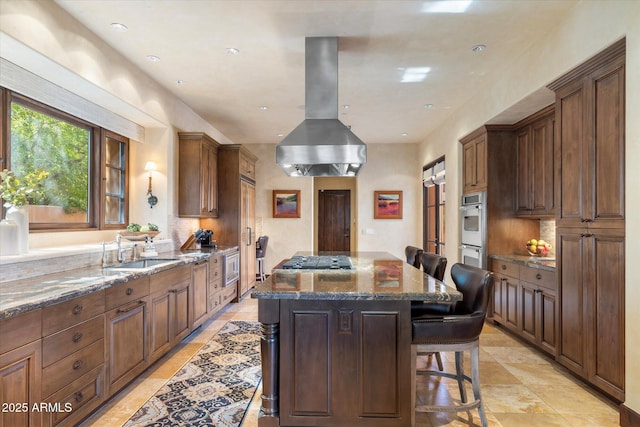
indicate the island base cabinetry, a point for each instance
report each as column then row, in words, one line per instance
column 338, row 363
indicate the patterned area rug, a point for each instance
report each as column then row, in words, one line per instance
column 214, row 388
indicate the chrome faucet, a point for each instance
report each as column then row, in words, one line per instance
column 122, row 250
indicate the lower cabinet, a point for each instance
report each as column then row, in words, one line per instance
column 169, row 310
column 525, row 303
column 68, row 358
column 592, row 307
column 20, row 385
column 200, row 280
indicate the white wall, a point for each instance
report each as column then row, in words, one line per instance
column 589, row 28
column 392, row 167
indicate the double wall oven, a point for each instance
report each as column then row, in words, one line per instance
column 473, row 217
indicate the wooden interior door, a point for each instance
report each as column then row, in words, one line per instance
column 334, row 214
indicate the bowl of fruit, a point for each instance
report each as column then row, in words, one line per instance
column 538, row 247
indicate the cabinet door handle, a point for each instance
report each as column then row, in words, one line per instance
column 77, row 365
column 129, row 291
column 77, row 309
column 538, row 276
column 249, row 237
column 504, row 267
column 79, row 396
column 126, row 310
column 76, row 337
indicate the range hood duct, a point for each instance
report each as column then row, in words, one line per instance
column 321, row 145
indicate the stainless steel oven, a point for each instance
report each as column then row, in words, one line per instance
column 473, row 220
column 231, row 268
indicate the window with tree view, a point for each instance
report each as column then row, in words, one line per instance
column 78, row 158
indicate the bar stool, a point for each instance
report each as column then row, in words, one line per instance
column 261, row 250
column 456, row 332
column 434, row 265
column 413, row 255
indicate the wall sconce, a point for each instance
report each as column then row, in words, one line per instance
column 152, row 200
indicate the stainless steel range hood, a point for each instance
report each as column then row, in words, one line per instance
column 321, row 145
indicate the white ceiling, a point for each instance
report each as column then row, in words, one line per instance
column 378, row 40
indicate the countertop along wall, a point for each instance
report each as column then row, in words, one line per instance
column 589, row 28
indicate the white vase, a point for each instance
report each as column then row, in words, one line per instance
column 21, row 217
column 8, row 237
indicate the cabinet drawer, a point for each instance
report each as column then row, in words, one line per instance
column 68, row 341
column 126, row 292
column 20, row 330
column 229, row 293
column 81, row 396
column 72, row 367
column 215, row 302
column 536, row 276
column 169, row 279
column 60, row 316
column 504, row 267
column 215, row 268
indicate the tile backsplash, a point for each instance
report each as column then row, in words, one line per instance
column 548, row 234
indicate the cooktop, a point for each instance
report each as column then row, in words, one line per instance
column 319, row 262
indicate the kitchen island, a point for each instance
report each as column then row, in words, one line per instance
column 336, row 343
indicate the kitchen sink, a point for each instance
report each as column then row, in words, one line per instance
column 143, row 264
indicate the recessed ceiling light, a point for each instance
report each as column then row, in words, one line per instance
column 263, row 107
column 116, row 26
column 478, row 48
column 405, row 134
column 446, row 6
column 180, row 82
column 415, row 74
column 346, row 106
column 280, row 135
column 232, row 51
column 153, row 58
column 428, row 106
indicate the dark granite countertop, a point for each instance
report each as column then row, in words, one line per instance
column 376, row 275
column 21, row 296
column 543, row 263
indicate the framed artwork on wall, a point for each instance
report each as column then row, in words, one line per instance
column 387, row 205
column 286, row 203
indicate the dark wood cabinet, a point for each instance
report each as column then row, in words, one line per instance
column 235, row 225
column 197, row 175
column 591, row 314
column 474, row 160
column 590, row 122
column 535, row 165
column 525, row 302
column 590, row 238
column 344, row 363
column 538, row 307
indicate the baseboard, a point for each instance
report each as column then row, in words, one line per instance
column 628, row 417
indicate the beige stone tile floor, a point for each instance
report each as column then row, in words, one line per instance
column 520, row 386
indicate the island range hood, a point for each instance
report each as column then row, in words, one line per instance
column 321, row 145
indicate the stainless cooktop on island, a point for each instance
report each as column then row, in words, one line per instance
column 337, row 341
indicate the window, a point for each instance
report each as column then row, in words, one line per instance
column 433, row 207
column 87, row 183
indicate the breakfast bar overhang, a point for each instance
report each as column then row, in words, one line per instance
column 336, row 343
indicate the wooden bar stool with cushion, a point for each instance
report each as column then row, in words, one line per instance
column 456, row 332
column 261, row 250
column 413, row 255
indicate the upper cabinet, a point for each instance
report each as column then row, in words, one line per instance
column 198, row 176
column 534, row 165
column 590, row 123
column 474, row 161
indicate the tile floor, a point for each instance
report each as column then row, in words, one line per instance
column 520, row 386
